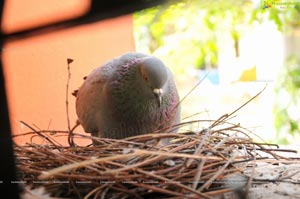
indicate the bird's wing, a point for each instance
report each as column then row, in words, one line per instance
column 90, row 97
column 175, row 111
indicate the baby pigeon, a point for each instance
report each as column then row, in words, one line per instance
column 130, row 95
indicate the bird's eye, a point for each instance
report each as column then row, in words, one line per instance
column 143, row 72
column 145, row 77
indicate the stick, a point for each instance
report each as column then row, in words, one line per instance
column 39, row 133
column 69, row 61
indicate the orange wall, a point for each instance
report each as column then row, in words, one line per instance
column 36, row 73
column 18, row 15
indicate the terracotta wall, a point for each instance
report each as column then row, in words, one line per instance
column 35, row 68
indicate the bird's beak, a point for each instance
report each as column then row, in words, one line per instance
column 158, row 93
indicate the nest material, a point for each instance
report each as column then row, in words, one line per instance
column 193, row 164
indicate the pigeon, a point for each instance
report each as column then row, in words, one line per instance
column 130, row 95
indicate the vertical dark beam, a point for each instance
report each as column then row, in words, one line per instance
column 7, row 162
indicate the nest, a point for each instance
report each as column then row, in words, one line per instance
column 194, row 164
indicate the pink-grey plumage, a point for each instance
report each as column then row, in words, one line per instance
column 130, row 95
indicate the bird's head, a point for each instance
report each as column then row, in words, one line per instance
column 155, row 75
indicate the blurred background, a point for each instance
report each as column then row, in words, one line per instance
column 237, row 47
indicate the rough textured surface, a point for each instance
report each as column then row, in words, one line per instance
column 277, row 181
column 270, row 182
column 118, row 100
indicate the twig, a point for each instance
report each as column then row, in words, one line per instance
column 250, row 179
column 159, row 190
column 71, row 135
column 40, row 134
column 176, row 106
column 94, row 191
column 225, row 116
column 247, row 102
column 284, row 193
column 289, row 176
column 199, row 147
column 207, row 183
column 191, row 90
column 69, row 61
column 166, row 180
column 198, row 174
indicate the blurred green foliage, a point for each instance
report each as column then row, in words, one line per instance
column 185, row 33
column 286, row 17
column 287, row 87
column 287, row 102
